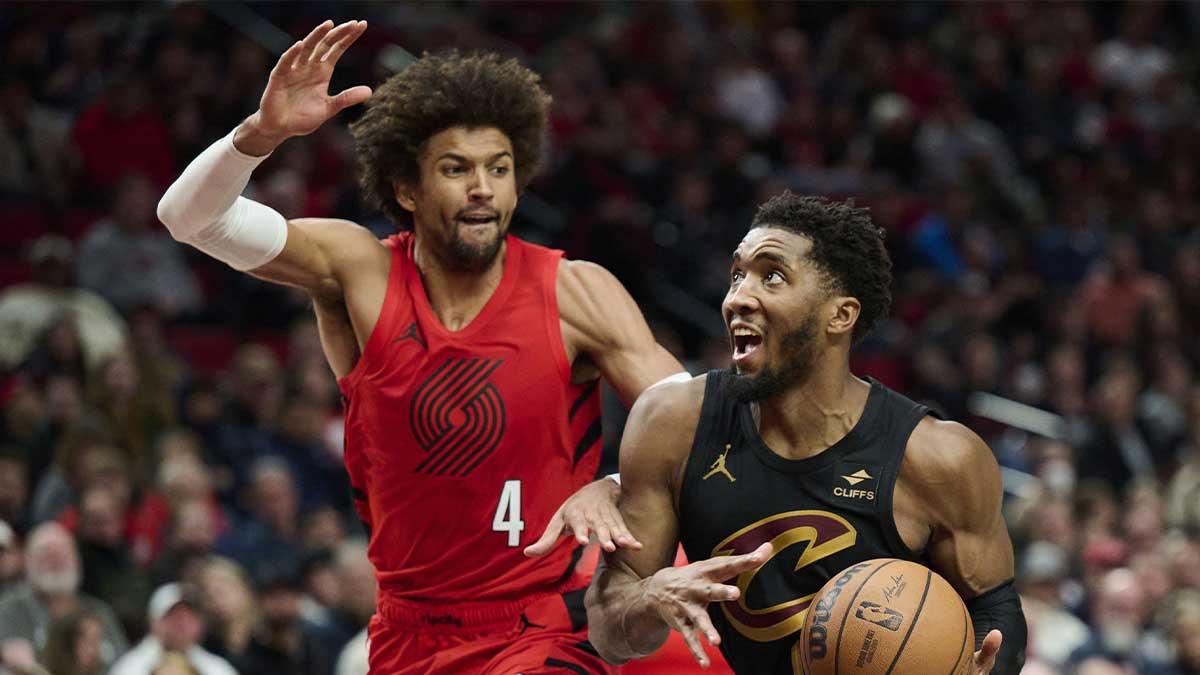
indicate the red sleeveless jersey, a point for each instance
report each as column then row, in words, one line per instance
column 461, row 445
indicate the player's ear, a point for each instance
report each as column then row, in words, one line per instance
column 404, row 195
column 843, row 314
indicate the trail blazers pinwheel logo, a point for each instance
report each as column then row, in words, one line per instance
column 458, row 417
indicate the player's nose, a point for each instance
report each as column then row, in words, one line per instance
column 480, row 188
column 740, row 301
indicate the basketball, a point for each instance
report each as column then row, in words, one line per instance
column 887, row 616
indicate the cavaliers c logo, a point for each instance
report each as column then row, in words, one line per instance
column 823, row 534
column 457, row 417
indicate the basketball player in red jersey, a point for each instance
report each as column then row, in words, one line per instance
column 468, row 359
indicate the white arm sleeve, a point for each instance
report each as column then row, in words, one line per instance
column 203, row 207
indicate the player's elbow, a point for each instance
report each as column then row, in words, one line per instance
column 173, row 214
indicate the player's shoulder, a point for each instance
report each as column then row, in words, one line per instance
column 580, row 277
column 952, row 468
column 940, row 451
column 345, row 236
column 668, row 413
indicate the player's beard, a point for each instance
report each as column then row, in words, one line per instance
column 799, row 349
column 461, row 256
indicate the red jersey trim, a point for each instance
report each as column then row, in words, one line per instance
column 553, row 318
column 395, row 286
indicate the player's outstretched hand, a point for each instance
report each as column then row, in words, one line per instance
column 985, row 658
column 681, row 595
column 592, row 510
column 297, row 100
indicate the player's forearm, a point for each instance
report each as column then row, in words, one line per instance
column 622, row 624
column 204, row 207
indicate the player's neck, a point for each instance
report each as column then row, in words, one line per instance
column 457, row 297
column 810, row 418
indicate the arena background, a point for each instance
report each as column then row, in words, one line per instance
column 1034, row 166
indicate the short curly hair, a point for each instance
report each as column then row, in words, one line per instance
column 846, row 246
column 438, row 92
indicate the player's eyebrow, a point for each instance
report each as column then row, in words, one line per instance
column 764, row 255
column 460, row 158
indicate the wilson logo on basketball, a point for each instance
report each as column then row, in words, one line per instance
column 822, row 533
column 458, row 417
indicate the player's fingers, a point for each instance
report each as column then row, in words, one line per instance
column 329, row 39
column 287, row 59
column 705, row 625
column 725, row 567
column 688, row 631
column 351, row 96
column 621, row 534
column 313, row 39
column 985, row 658
column 707, row 592
column 603, row 535
column 542, row 546
column 338, row 48
column 579, row 525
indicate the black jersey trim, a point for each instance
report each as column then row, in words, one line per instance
column 885, row 508
column 704, row 439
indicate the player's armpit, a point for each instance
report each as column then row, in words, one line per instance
column 601, row 320
column 654, row 449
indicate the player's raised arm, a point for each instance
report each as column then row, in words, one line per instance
column 203, row 207
column 969, row 545
column 636, row 598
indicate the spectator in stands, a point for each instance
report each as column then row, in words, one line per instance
column 356, row 601
column 136, row 411
column 176, row 626
column 1121, row 626
column 14, row 489
column 32, row 138
column 283, row 641
column 74, row 646
column 231, row 605
column 273, row 530
column 27, row 309
column 1054, row 633
column 131, row 260
column 12, row 564
column 50, row 592
column 109, row 571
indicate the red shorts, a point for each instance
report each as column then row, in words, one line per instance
column 541, row 635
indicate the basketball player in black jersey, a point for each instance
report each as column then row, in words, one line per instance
column 783, row 471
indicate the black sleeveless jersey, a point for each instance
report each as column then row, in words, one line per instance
column 822, row 515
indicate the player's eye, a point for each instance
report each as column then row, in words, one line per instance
column 500, row 170
column 736, row 276
column 453, row 170
column 775, row 275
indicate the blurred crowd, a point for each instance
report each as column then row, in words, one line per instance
column 171, row 492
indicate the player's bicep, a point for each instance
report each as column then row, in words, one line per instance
column 971, row 546
column 611, row 329
column 320, row 253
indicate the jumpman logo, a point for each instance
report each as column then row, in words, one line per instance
column 719, row 467
column 526, row 624
column 411, row 334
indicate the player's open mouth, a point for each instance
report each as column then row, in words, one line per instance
column 746, row 341
column 478, row 219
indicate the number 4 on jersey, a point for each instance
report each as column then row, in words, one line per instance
column 508, row 513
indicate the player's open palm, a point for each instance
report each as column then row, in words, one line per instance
column 297, row 99
column 681, row 595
